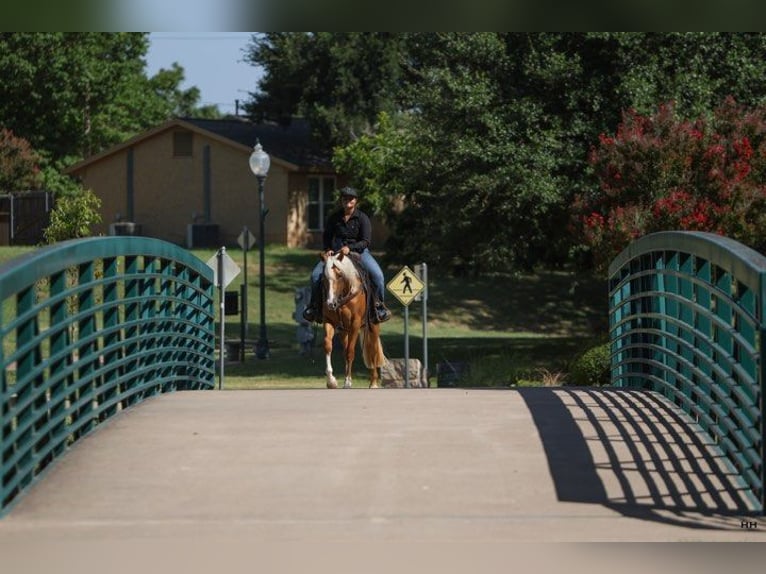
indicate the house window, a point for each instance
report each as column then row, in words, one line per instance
column 321, row 201
column 182, row 144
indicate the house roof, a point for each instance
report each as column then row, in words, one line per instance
column 291, row 146
column 291, row 143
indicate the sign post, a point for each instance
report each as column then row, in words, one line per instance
column 246, row 240
column 422, row 271
column 224, row 271
column 405, row 286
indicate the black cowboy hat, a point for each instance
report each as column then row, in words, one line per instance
column 349, row 192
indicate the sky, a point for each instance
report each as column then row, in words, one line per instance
column 212, row 61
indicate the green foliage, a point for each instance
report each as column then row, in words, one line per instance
column 375, row 158
column 74, row 94
column 339, row 81
column 68, row 88
column 55, row 181
column 73, row 216
column 176, row 102
column 19, row 164
column 484, row 143
column 591, row 368
column 660, row 172
column 696, row 70
column 470, row 156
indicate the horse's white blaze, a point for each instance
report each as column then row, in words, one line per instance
column 347, row 269
column 331, row 287
column 331, row 295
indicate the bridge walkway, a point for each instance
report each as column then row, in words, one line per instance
column 206, row 476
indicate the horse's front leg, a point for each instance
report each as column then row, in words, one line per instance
column 329, row 333
column 350, row 346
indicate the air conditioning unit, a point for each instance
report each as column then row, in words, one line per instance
column 201, row 235
column 124, row 228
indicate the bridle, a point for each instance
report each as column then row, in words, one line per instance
column 352, row 291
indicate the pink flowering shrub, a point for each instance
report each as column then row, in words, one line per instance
column 661, row 173
column 19, row 164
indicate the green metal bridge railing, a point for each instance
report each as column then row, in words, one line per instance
column 88, row 328
column 686, row 312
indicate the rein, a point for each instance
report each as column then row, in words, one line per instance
column 340, row 301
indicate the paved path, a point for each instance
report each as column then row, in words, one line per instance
column 211, row 476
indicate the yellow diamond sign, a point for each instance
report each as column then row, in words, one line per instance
column 405, row 286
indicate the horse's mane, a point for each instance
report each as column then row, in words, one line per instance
column 347, row 268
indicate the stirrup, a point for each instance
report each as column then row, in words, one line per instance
column 382, row 314
column 310, row 314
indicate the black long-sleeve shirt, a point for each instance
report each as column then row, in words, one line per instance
column 356, row 233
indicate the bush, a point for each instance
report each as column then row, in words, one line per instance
column 73, row 216
column 19, row 164
column 661, row 172
column 591, row 368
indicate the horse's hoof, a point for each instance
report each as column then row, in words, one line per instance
column 332, row 383
column 347, row 385
column 375, row 386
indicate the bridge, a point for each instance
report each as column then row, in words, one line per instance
column 91, row 329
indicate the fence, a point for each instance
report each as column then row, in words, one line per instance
column 88, row 328
column 24, row 217
column 687, row 320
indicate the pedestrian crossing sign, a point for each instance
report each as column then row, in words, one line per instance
column 405, row 286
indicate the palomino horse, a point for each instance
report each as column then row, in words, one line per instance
column 345, row 311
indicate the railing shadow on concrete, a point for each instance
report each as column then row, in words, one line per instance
column 686, row 313
column 638, row 454
column 89, row 328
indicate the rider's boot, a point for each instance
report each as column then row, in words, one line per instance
column 381, row 311
column 312, row 312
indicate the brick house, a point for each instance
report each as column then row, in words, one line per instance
column 188, row 181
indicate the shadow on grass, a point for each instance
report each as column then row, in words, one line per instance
column 511, row 325
column 500, row 361
column 548, row 302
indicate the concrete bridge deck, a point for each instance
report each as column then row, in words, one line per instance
column 193, row 479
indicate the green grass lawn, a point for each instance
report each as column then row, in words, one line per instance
column 511, row 329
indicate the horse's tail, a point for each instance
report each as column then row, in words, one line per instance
column 372, row 348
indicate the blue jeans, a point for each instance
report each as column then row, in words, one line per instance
column 369, row 264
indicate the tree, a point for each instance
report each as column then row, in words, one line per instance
column 179, row 103
column 339, row 81
column 695, row 70
column 62, row 85
column 491, row 131
column 473, row 154
column 73, row 94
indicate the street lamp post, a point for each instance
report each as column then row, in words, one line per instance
column 259, row 165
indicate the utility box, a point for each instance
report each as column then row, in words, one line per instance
column 128, row 228
column 231, row 302
column 201, row 235
column 450, row 374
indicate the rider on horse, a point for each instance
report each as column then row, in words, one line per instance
column 348, row 230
